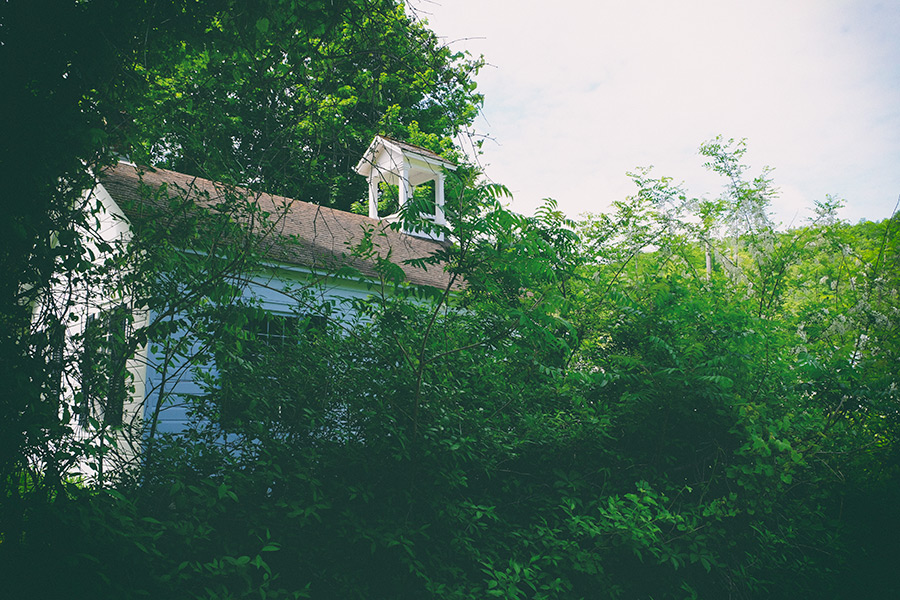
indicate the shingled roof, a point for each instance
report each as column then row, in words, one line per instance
column 308, row 235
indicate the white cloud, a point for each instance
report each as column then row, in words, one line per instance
column 578, row 93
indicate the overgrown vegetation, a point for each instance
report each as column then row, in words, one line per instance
column 671, row 400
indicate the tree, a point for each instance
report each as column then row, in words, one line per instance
column 287, row 98
column 654, row 403
column 753, row 365
column 91, row 81
column 569, row 423
column 270, row 95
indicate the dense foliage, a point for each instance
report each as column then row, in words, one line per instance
column 273, row 94
column 286, row 96
column 671, row 400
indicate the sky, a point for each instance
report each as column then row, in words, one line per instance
column 579, row 93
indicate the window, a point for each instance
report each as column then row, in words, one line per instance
column 272, row 331
column 56, row 358
column 250, row 391
column 103, row 367
column 52, row 348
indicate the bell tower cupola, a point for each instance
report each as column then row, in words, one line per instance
column 405, row 166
